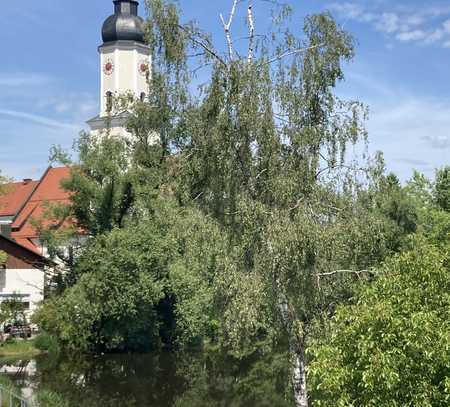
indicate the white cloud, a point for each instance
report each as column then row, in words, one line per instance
column 439, row 142
column 78, row 106
column 425, row 25
column 415, row 35
column 23, row 79
column 446, row 26
column 415, row 19
column 388, row 23
column 412, row 130
column 353, row 11
column 436, row 35
column 41, row 120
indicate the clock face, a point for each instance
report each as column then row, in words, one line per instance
column 108, row 67
column 143, row 67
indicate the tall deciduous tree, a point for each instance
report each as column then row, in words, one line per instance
column 264, row 151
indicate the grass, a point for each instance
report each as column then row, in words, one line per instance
column 22, row 348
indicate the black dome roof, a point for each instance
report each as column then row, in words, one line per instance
column 124, row 24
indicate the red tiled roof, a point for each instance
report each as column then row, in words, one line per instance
column 50, row 188
column 47, row 191
column 28, row 244
column 20, row 255
column 14, row 195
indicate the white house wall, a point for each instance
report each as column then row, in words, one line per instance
column 29, row 283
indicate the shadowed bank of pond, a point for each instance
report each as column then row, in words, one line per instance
column 157, row 380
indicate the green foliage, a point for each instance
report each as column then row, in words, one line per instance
column 112, row 304
column 49, row 399
column 3, row 258
column 14, row 348
column 442, row 188
column 3, row 180
column 433, row 221
column 255, row 381
column 12, row 310
column 101, row 184
column 46, row 343
column 391, row 346
column 201, row 248
column 139, row 286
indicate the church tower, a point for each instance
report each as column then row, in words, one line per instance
column 124, row 65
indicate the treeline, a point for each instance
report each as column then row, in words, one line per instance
column 248, row 225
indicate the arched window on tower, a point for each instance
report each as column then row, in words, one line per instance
column 109, row 101
column 142, row 97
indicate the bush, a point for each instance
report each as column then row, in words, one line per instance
column 49, row 399
column 390, row 348
column 46, row 343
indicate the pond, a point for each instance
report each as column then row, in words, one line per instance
column 157, row 380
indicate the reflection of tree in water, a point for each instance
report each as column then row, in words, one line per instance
column 216, row 380
column 126, row 380
column 166, row 379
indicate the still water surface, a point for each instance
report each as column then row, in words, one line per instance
column 155, row 380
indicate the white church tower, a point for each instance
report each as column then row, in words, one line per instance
column 124, row 65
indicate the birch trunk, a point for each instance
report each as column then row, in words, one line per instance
column 297, row 351
column 299, row 374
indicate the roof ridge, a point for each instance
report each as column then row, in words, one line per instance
column 46, row 261
column 38, row 182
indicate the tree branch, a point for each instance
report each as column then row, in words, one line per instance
column 201, row 44
column 292, row 52
column 332, row 273
column 251, row 27
column 227, row 26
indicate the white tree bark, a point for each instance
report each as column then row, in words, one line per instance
column 227, row 26
column 297, row 351
column 251, row 27
column 299, row 374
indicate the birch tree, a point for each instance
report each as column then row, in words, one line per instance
column 264, row 152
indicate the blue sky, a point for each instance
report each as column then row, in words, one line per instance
column 49, row 75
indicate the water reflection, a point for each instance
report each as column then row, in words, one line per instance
column 158, row 380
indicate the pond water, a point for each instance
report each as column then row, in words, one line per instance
column 157, row 380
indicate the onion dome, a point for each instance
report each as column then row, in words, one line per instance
column 124, row 24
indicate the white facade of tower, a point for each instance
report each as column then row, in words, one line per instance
column 125, row 66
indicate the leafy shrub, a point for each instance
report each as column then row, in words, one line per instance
column 48, row 399
column 45, row 342
column 390, row 348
